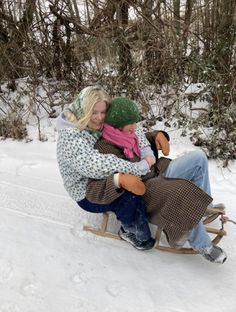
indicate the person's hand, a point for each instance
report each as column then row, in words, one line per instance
column 151, row 160
column 131, row 183
column 162, row 143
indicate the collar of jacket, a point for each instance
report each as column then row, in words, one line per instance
column 97, row 134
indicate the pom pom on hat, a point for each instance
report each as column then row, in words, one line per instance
column 122, row 112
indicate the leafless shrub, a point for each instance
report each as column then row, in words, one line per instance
column 130, row 47
column 12, row 127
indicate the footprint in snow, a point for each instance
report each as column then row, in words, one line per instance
column 27, row 166
column 6, row 271
column 80, row 277
column 115, row 289
column 9, row 307
column 29, row 288
column 84, row 306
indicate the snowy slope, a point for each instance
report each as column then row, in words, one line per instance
column 48, row 264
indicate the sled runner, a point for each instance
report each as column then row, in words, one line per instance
column 214, row 213
column 211, row 215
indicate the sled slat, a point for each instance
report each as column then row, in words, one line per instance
column 102, row 231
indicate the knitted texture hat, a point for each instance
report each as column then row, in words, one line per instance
column 122, row 112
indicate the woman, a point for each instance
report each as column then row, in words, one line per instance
column 173, row 204
column 79, row 129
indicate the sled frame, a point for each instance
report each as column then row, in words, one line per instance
column 218, row 232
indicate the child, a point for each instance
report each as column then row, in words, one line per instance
column 176, row 205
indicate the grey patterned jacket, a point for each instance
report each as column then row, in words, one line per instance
column 78, row 160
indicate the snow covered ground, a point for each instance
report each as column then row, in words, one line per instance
column 49, row 264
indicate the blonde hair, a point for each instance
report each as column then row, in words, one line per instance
column 90, row 98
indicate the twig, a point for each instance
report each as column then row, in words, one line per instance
column 225, row 219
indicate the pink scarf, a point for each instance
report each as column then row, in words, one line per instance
column 128, row 142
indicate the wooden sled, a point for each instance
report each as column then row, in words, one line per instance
column 218, row 232
column 213, row 213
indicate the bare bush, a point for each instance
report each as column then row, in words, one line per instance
column 12, row 127
column 127, row 46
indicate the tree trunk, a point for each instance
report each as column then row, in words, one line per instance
column 16, row 37
column 187, row 21
column 124, row 51
column 176, row 5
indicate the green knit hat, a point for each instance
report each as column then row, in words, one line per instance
column 122, row 112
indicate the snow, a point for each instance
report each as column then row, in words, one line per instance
column 195, row 88
column 49, row 264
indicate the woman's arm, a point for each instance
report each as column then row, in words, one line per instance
column 78, row 153
column 143, row 141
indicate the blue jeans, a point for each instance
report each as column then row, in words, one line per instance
column 199, row 238
column 193, row 166
column 130, row 210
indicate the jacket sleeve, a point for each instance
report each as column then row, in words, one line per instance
column 143, row 141
column 76, row 152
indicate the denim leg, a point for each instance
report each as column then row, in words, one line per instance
column 124, row 207
column 192, row 166
column 199, row 238
column 140, row 226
